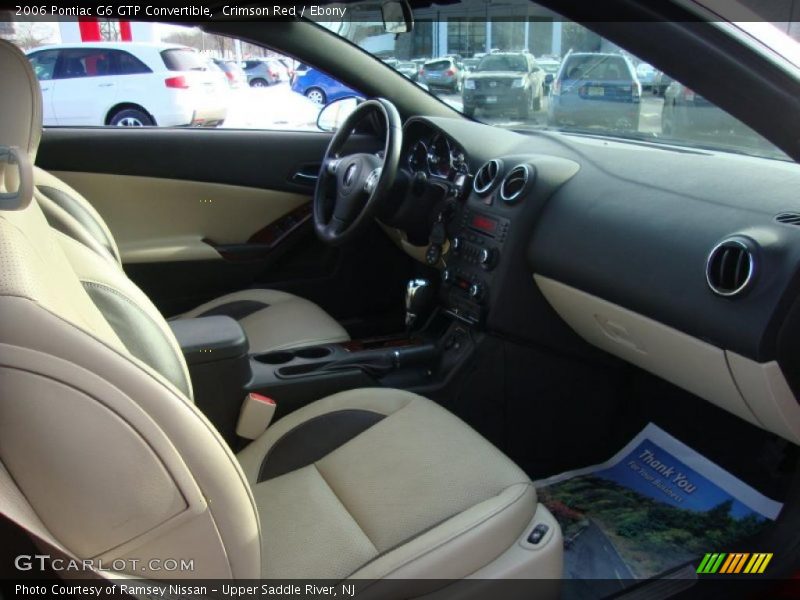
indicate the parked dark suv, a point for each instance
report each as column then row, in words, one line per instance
column 504, row 81
column 596, row 89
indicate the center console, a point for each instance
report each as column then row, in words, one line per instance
column 478, row 236
column 226, row 374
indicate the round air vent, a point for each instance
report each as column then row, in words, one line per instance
column 730, row 268
column 515, row 183
column 486, row 177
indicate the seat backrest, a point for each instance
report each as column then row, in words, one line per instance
column 99, row 437
column 73, row 215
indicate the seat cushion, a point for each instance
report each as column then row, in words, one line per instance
column 379, row 482
column 274, row 320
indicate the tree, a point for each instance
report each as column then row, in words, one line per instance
column 190, row 38
column 31, row 35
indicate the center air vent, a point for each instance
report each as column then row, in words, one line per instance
column 515, row 183
column 486, row 177
column 730, row 268
column 790, row 218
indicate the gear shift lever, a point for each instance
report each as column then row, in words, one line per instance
column 419, row 294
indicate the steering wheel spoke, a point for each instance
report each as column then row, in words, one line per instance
column 372, row 180
column 331, row 165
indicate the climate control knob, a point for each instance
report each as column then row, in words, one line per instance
column 487, row 258
column 477, row 291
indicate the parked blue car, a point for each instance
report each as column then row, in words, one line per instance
column 318, row 87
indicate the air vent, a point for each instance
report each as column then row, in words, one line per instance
column 515, row 183
column 790, row 218
column 730, row 268
column 486, row 177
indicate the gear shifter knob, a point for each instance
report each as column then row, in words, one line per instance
column 419, row 295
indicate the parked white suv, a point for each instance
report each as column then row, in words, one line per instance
column 128, row 84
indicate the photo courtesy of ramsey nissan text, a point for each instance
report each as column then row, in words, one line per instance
column 398, row 299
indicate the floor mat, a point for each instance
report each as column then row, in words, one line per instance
column 653, row 507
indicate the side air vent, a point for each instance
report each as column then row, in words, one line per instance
column 790, row 218
column 515, row 183
column 486, row 177
column 730, row 268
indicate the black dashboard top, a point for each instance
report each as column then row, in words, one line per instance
column 634, row 223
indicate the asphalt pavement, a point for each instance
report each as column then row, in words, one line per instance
column 649, row 120
column 278, row 107
column 593, row 556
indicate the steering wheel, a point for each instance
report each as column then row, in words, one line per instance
column 351, row 188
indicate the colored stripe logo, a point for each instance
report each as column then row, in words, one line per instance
column 734, row 563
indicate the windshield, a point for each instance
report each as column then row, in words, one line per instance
column 565, row 76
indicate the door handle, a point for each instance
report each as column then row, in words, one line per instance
column 45, row 89
column 305, row 177
column 105, row 85
column 306, row 174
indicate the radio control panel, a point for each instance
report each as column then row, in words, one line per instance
column 476, row 250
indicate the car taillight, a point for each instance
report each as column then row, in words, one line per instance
column 556, row 87
column 178, row 82
column 229, row 75
column 688, row 94
column 450, row 72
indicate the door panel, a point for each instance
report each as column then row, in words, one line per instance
column 48, row 114
column 83, row 100
column 198, row 213
column 162, row 220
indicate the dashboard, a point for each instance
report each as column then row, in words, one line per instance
column 437, row 155
column 683, row 262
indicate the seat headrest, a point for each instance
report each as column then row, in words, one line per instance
column 20, row 125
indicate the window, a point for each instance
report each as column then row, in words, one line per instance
column 183, row 59
column 44, row 64
column 127, row 64
column 501, row 62
column 183, row 77
column 90, row 62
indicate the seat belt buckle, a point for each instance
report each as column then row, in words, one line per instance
column 255, row 416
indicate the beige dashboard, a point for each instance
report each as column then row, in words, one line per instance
column 755, row 392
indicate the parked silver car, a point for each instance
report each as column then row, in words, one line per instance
column 262, row 72
column 443, row 73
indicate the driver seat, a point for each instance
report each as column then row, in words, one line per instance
column 272, row 319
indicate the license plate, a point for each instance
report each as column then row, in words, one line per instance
column 491, row 99
column 435, row 75
column 595, row 91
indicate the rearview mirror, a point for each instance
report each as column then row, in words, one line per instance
column 332, row 116
column 397, row 17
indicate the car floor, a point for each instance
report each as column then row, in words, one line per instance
column 553, row 413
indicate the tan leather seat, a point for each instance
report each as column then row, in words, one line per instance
column 104, row 455
column 272, row 319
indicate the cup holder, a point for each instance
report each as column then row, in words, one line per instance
column 275, row 358
column 313, row 352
